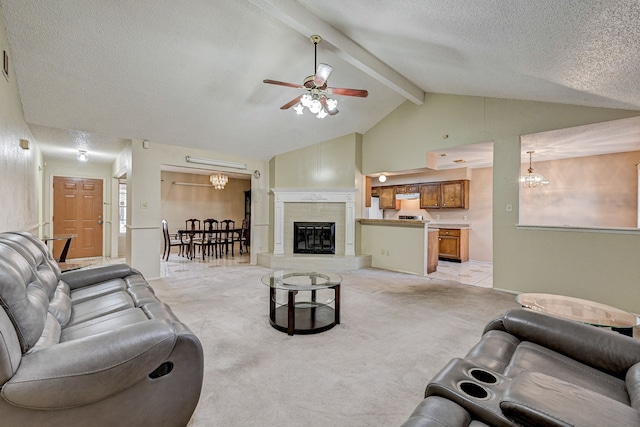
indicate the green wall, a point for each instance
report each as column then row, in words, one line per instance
column 331, row 164
column 600, row 266
column 336, row 163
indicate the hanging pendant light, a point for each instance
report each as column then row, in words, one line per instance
column 218, row 181
column 532, row 179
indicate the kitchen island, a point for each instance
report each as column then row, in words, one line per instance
column 404, row 245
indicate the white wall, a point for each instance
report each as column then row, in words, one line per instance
column 56, row 167
column 20, row 170
column 144, row 201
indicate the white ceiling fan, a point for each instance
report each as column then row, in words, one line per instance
column 316, row 98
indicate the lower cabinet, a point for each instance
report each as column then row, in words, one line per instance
column 454, row 244
column 432, row 251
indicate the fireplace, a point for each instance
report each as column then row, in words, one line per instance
column 314, row 238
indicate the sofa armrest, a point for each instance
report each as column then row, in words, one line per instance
column 597, row 347
column 436, row 411
column 90, row 369
column 535, row 399
column 90, row 276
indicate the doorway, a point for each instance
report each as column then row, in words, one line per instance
column 77, row 210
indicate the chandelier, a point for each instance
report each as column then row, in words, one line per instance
column 532, row 179
column 320, row 105
column 218, row 181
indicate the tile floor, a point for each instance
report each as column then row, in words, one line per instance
column 474, row 273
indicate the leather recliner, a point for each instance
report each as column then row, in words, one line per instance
column 532, row 369
column 89, row 347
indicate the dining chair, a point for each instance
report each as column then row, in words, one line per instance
column 193, row 224
column 210, row 239
column 227, row 227
column 241, row 236
column 171, row 240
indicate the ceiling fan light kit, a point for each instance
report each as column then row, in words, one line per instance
column 316, row 100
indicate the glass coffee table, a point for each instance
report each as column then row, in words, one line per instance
column 580, row 310
column 303, row 302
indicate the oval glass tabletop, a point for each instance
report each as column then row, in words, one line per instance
column 581, row 310
column 301, row 280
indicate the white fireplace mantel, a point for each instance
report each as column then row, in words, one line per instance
column 297, row 195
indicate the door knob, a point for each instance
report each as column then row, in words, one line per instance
column 100, row 222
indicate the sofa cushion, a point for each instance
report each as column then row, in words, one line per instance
column 535, row 358
column 102, row 324
column 60, row 305
column 632, row 381
column 99, row 289
column 50, row 334
column 23, row 296
column 10, row 351
column 535, row 399
column 100, row 306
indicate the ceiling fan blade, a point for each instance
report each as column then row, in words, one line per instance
column 291, row 103
column 323, row 101
column 322, row 74
column 275, row 82
column 362, row 93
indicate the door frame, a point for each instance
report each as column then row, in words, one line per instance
column 105, row 192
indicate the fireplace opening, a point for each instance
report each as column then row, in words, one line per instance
column 314, row 238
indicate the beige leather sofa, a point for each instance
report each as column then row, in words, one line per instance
column 92, row 347
column 532, row 369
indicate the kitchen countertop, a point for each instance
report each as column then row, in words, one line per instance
column 394, row 222
column 448, row 225
column 413, row 223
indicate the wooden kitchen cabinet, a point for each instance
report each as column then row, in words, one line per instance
column 430, row 195
column 388, row 198
column 413, row 188
column 454, row 244
column 432, row 250
column 375, row 191
column 445, row 195
column 455, row 194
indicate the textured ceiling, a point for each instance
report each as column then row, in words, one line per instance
column 190, row 73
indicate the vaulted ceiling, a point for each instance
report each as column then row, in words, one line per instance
column 92, row 73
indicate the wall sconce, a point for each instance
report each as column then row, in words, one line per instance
column 24, row 144
column 82, row 156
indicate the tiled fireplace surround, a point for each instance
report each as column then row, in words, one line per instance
column 311, row 205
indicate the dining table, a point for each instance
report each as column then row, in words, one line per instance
column 65, row 250
column 192, row 233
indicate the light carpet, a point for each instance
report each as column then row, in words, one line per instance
column 397, row 331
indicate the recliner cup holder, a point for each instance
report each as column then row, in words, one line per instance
column 473, row 389
column 483, row 376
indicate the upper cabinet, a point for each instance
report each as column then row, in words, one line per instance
column 455, row 194
column 433, row 195
column 388, row 198
column 445, row 195
column 430, row 195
